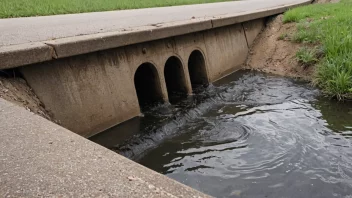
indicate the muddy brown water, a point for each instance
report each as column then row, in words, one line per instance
column 247, row 135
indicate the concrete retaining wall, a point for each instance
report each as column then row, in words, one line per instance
column 93, row 92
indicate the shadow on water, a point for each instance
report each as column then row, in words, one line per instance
column 247, row 135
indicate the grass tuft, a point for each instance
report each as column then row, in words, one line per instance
column 328, row 26
column 306, row 56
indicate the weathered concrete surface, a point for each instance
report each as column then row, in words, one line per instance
column 252, row 29
column 90, row 43
column 104, row 30
column 226, row 49
column 90, row 93
column 41, row 159
column 24, row 54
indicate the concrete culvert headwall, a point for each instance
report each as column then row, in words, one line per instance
column 197, row 69
column 147, row 84
column 175, row 77
column 117, row 83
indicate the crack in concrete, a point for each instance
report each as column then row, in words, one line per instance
column 212, row 24
column 54, row 53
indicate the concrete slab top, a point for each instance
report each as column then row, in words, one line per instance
column 41, row 159
column 33, row 29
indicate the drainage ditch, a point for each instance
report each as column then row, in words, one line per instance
column 248, row 135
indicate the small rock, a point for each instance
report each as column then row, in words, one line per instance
column 131, row 178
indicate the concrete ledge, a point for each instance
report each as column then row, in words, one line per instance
column 248, row 16
column 90, row 43
column 72, row 46
column 24, row 54
column 41, row 159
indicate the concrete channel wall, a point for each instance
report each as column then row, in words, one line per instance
column 92, row 92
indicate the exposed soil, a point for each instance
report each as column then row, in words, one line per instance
column 273, row 52
column 18, row 92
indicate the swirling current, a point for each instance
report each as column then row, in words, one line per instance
column 247, row 135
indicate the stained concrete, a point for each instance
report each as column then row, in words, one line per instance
column 41, row 159
column 252, row 29
column 226, row 49
column 15, row 55
column 90, row 93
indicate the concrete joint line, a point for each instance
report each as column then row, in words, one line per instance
column 24, row 54
column 245, row 35
column 54, row 53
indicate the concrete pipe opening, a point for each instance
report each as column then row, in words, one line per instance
column 175, row 79
column 197, row 70
column 147, row 84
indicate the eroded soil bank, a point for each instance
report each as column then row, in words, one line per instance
column 17, row 91
column 274, row 52
column 271, row 54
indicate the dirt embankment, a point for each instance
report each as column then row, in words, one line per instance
column 274, row 52
column 17, row 91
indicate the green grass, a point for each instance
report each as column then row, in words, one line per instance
column 306, row 56
column 328, row 26
column 25, row 8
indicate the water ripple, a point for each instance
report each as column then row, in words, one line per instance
column 251, row 135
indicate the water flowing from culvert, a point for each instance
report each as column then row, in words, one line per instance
column 248, row 135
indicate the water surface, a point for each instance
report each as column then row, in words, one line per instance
column 248, row 135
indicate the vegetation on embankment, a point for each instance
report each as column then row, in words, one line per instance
column 325, row 30
column 25, row 8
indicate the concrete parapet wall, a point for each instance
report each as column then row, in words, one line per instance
column 93, row 92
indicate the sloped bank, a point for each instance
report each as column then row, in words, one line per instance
column 313, row 43
column 16, row 90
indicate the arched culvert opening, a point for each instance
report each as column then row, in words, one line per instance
column 197, row 70
column 147, row 84
column 175, row 79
